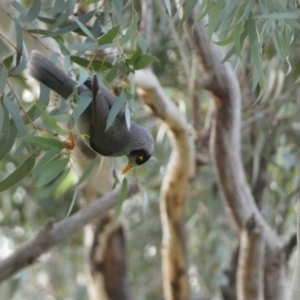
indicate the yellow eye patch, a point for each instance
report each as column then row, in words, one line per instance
column 141, row 157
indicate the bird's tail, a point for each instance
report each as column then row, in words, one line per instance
column 47, row 73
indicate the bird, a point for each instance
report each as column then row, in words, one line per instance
column 136, row 142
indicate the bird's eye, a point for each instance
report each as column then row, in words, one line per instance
column 140, row 158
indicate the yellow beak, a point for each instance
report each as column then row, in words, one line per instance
column 127, row 168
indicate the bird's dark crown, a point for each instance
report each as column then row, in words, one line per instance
column 141, row 156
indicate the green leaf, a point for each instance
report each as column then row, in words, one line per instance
column 132, row 57
column 143, row 61
column 19, row 37
column 112, row 74
column 190, row 4
column 117, row 106
column 52, row 169
column 3, row 77
column 97, row 65
column 87, row 171
column 83, row 76
column 46, row 157
column 8, row 61
column 14, row 112
column 7, row 136
column 20, row 67
column 84, row 29
column 109, row 36
column 214, row 15
column 33, row 11
column 124, row 39
column 17, row 175
column 134, row 30
column 142, row 44
column 3, row 112
column 42, row 142
column 82, row 102
column 19, row 7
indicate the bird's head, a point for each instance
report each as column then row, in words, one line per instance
column 136, row 158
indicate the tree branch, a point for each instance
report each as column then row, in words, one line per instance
column 221, row 81
column 55, row 233
column 174, row 185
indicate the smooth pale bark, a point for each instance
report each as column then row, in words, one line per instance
column 174, row 185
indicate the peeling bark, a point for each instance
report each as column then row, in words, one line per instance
column 250, row 272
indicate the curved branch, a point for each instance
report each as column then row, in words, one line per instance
column 221, row 81
column 174, row 185
column 55, row 233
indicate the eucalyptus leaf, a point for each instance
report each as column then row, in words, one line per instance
column 8, row 61
column 43, row 160
column 82, row 102
column 190, row 4
column 117, row 106
column 20, row 67
column 143, row 61
column 33, row 11
column 19, row 8
column 14, row 113
column 18, row 174
column 109, row 36
column 19, row 37
column 7, row 136
column 42, row 142
column 84, row 29
column 168, row 6
column 3, row 77
column 52, row 169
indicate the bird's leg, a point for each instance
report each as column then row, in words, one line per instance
column 69, row 145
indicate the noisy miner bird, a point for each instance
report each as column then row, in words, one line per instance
column 136, row 142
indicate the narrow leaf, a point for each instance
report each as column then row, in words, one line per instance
column 143, row 61
column 8, row 61
column 14, row 112
column 7, row 137
column 42, row 142
column 3, row 77
column 84, row 29
column 188, row 9
column 109, row 36
column 33, row 11
column 168, row 6
column 46, row 157
column 19, row 37
column 117, row 106
column 52, row 169
column 82, row 102
column 17, row 175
